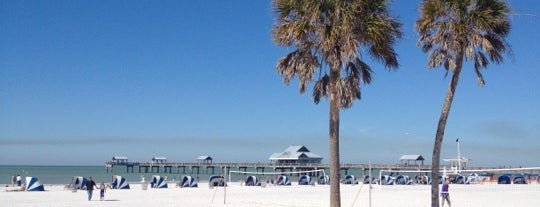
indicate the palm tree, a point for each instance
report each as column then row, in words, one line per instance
column 453, row 32
column 328, row 39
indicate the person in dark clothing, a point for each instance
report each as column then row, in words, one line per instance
column 90, row 187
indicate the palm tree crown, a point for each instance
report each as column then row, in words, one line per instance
column 331, row 33
column 474, row 29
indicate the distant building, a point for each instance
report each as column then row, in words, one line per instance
column 295, row 155
column 204, row 159
column 159, row 160
column 120, row 160
column 411, row 160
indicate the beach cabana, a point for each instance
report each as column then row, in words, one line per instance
column 216, row 180
column 324, row 180
column 158, row 182
column 368, row 178
column 403, row 180
column 79, row 182
column 119, row 182
column 473, row 178
column 304, row 180
column 349, row 179
column 252, row 180
column 519, row 179
column 387, row 180
column 461, row 180
column 427, row 179
column 504, row 179
column 32, row 184
column 424, row 179
column 283, row 180
column 188, row 182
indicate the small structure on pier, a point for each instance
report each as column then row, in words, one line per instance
column 204, row 159
column 159, row 160
column 295, row 155
column 120, row 160
column 457, row 164
column 411, row 160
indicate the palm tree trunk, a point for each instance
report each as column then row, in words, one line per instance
column 335, row 200
column 436, row 158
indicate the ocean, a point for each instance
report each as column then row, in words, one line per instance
column 64, row 174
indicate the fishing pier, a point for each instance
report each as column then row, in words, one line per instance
column 292, row 159
column 210, row 168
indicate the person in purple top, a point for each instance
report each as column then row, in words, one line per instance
column 445, row 194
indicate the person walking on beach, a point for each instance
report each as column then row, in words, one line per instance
column 90, row 187
column 445, row 194
column 13, row 180
column 102, row 191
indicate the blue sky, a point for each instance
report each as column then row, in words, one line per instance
column 82, row 81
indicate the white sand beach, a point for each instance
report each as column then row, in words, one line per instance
column 479, row 195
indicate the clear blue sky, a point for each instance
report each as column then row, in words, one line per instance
column 82, row 81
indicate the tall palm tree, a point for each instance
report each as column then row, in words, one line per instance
column 454, row 32
column 328, row 39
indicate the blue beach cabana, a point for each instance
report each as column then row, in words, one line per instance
column 461, row 180
column 304, row 180
column 281, row 180
column 424, row 179
column 324, row 180
column 387, row 180
column 216, row 180
column 349, row 179
column 367, row 179
column 119, row 182
column 79, row 182
column 252, row 181
column 504, row 179
column 403, row 180
column 188, row 182
column 158, row 182
column 519, row 179
column 32, row 184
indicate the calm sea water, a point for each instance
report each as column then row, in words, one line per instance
column 64, row 174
